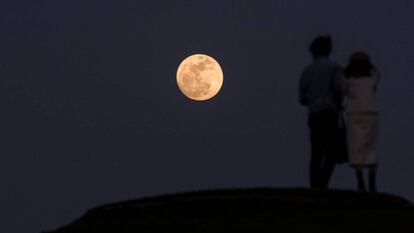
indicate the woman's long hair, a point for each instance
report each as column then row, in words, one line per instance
column 359, row 66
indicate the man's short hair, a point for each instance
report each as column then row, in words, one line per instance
column 321, row 46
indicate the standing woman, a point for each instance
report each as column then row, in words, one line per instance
column 362, row 111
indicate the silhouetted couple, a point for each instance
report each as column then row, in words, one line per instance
column 340, row 132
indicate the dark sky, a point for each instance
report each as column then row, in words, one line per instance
column 91, row 113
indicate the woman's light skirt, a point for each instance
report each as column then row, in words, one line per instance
column 362, row 138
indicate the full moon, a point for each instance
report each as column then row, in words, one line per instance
column 199, row 77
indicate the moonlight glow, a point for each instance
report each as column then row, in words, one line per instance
column 199, row 77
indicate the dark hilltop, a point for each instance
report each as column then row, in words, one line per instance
column 252, row 210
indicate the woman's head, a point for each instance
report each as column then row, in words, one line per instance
column 359, row 65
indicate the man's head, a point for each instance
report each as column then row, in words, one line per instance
column 321, row 46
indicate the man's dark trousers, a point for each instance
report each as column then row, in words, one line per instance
column 323, row 131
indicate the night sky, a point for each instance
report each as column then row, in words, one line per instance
column 91, row 112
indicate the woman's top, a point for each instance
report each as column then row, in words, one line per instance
column 361, row 93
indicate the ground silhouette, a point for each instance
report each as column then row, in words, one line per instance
column 252, row 210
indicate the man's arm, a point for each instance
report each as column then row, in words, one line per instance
column 339, row 85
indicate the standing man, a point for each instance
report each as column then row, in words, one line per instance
column 321, row 91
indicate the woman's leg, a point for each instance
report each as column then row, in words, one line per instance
column 360, row 179
column 372, row 179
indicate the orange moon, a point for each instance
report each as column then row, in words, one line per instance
column 199, row 77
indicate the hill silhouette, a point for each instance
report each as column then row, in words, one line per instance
column 252, row 210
